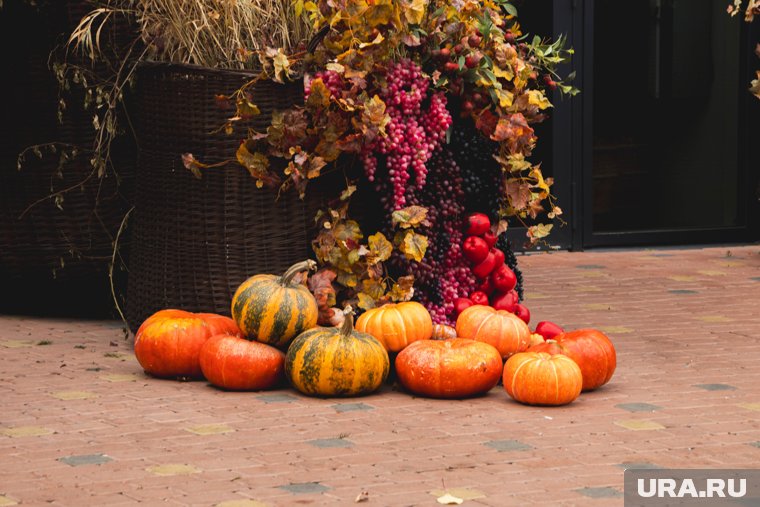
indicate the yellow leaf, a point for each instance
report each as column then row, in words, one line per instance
column 347, row 279
column 537, row 98
column 366, row 302
column 256, row 163
column 414, row 245
column 415, row 12
column 540, row 230
column 409, row 216
column 505, row 72
column 505, row 98
column 281, row 67
column 379, row 247
column 373, row 288
column 377, row 40
column 319, row 95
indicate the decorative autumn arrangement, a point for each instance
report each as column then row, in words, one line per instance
column 397, row 325
column 538, row 378
column 499, row 328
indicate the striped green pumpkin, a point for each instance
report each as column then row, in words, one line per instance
column 273, row 309
column 336, row 362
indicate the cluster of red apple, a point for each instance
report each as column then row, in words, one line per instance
column 496, row 281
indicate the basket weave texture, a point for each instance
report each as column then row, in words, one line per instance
column 195, row 240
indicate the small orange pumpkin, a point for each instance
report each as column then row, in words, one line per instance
column 591, row 349
column 500, row 328
column 397, row 325
column 455, row 368
column 443, row 332
column 538, row 378
column 168, row 344
column 236, row 364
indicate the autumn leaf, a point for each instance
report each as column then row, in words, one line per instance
column 380, row 248
column 410, row 216
column 320, row 284
column 373, row 288
column 415, row 11
column 518, row 193
column 281, row 64
column 514, row 129
column 414, row 245
column 348, row 230
column 755, row 88
column 246, row 108
column 348, row 192
column 366, row 302
column 537, row 98
column 256, row 163
column 192, row 165
column 506, row 98
column 403, row 289
column 315, row 167
column 347, row 279
column 319, row 95
column 539, row 231
column 374, row 114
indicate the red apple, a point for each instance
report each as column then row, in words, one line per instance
column 548, row 329
column 477, row 224
column 505, row 301
column 522, row 312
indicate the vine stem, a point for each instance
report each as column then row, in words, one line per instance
column 307, row 265
column 113, row 262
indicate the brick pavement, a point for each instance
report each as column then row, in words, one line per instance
column 82, row 425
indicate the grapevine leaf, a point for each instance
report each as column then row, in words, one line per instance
column 256, row 163
column 366, row 302
column 373, row 288
column 539, row 231
column 320, row 284
column 347, row 279
column 518, row 193
column 348, row 230
column 414, row 245
column 755, row 88
column 410, row 217
column 537, row 98
column 415, row 11
column 319, row 95
column 380, row 248
column 348, row 192
column 403, row 289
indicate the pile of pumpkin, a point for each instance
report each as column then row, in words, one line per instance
column 273, row 334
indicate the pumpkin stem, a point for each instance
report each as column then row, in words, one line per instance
column 348, row 322
column 307, row 265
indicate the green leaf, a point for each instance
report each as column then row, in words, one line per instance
column 511, row 9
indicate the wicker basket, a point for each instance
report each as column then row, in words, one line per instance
column 194, row 241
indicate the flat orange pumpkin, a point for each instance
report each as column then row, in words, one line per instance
column 504, row 330
column 538, row 378
column 236, row 364
column 396, row 325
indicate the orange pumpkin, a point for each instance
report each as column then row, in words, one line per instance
column 236, row 364
column 500, row 328
column 538, row 378
column 455, row 368
column 168, row 343
column 443, row 332
column 397, row 325
column 591, row 349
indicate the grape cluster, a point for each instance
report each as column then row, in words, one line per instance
column 510, row 259
column 333, row 82
column 417, row 128
column 482, row 176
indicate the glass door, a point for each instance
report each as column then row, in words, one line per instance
column 667, row 124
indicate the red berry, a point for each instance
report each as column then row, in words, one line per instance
column 503, row 279
column 505, row 301
column 522, row 312
column 471, row 61
column 451, row 66
column 479, row 298
column 474, row 40
column 475, row 249
column 477, row 224
column 445, row 53
column 548, row 329
column 509, row 36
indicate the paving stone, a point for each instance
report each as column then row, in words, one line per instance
column 508, row 445
column 304, row 488
column 751, row 406
column 682, row 278
column 616, row 329
column 276, row 398
column 755, row 444
column 73, row 395
column 715, row 387
column 599, row 306
column 683, row 291
column 85, row 459
column 755, row 278
column 120, row 377
column 171, row 469
column 590, row 266
column 352, row 407
column 16, row 344
column 331, row 442
column 710, row 272
column 714, row 318
column 638, row 425
column 638, row 466
column 242, row 503
column 210, row 429
column 6, row 501
column 605, row 492
column 26, row 431
column 638, row 407
column 662, row 255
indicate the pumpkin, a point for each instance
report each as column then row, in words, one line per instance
column 538, row 378
column 236, row 364
column 454, row 368
column 275, row 309
column 443, row 332
column 397, row 325
column 168, row 343
column 500, row 328
column 591, row 349
column 330, row 361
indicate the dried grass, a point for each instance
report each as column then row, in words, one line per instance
column 211, row 33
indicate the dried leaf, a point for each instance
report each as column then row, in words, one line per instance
column 256, row 163
column 537, row 98
column 366, row 302
column 415, row 11
column 518, row 193
column 414, row 245
column 192, row 165
column 410, row 216
column 320, row 284
column 319, row 95
column 348, row 192
column 362, row 497
column 380, row 248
